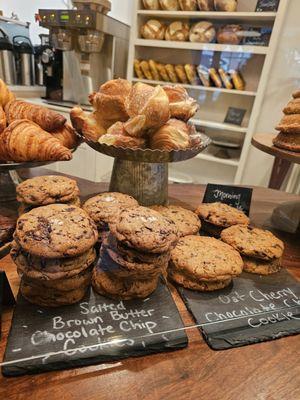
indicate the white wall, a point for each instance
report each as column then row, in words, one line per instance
column 26, row 9
column 283, row 80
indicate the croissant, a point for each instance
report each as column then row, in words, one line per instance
column 23, row 140
column 45, row 118
column 2, row 119
column 181, row 105
column 109, row 102
column 67, row 136
column 116, row 136
column 174, row 135
column 5, row 94
column 148, row 108
column 86, row 124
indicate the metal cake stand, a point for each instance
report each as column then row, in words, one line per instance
column 143, row 173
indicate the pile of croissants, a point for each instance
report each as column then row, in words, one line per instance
column 139, row 116
column 30, row 132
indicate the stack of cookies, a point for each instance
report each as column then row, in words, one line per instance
column 260, row 249
column 289, row 126
column 134, row 254
column 186, row 221
column 105, row 208
column 45, row 190
column 217, row 216
column 54, row 254
column 204, row 263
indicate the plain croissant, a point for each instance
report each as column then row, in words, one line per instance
column 67, row 136
column 23, row 140
column 182, row 106
column 45, row 118
column 2, row 119
column 86, row 124
column 5, row 94
column 174, row 135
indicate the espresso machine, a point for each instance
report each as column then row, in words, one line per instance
column 94, row 46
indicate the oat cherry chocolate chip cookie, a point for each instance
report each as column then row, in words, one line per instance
column 145, row 230
column 217, row 216
column 56, row 231
column 44, row 190
column 204, row 263
column 261, row 267
column 105, row 207
column 253, row 242
column 186, row 221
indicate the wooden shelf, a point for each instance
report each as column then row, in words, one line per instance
column 198, row 87
column 218, row 125
column 240, row 16
column 208, row 157
column 264, row 142
column 201, row 46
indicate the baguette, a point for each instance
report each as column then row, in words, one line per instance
column 45, row 118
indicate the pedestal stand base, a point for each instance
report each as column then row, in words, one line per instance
column 8, row 182
column 146, row 182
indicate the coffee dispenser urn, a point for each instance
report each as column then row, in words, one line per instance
column 7, row 60
column 25, row 60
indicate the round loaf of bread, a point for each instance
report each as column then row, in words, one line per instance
column 188, row 5
column 170, row 5
column 151, row 4
column 178, row 31
column 206, row 5
column 230, row 34
column 225, row 5
column 153, row 30
column 203, row 32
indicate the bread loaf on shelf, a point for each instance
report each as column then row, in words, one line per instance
column 225, row 5
column 2, row 119
column 153, row 30
column 202, row 32
column 147, row 107
column 47, row 119
column 206, row 5
column 169, row 5
column 188, row 5
column 178, row 31
column 5, row 94
column 67, row 136
column 86, row 124
column 151, row 4
column 24, row 140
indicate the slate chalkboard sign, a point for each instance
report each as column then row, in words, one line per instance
column 235, row 196
column 6, row 294
column 267, row 5
column 253, row 309
column 235, row 116
column 93, row 331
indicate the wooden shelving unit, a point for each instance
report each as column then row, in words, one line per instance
column 255, row 63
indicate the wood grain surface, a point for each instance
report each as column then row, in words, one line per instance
column 264, row 371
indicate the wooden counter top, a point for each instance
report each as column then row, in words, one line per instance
column 264, row 371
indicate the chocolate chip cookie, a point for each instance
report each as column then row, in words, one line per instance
column 186, row 221
column 124, row 289
column 253, row 242
column 105, row 207
column 45, row 190
column 217, row 216
column 145, row 230
column 194, row 284
column 56, row 231
column 205, row 259
column 261, row 267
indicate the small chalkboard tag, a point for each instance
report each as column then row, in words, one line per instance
column 235, row 116
column 96, row 330
column 267, row 5
column 253, row 309
column 6, row 294
column 235, row 196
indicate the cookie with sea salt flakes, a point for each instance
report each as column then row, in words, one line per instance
column 186, row 221
column 205, row 259
column 56, row 231
column 105, row 207
column 253, row 242
column 144, row 229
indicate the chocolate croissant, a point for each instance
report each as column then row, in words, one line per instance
column 86, row 124
column 181, row 105
column 23, row 140
column 5, row 94
column 67, row 136
column 2, row 119
column 47, row 119
column 116, row 136
column 109, row 102
column 174, row 135
column 148, row 108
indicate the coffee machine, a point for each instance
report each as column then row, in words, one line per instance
column 94, row 46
